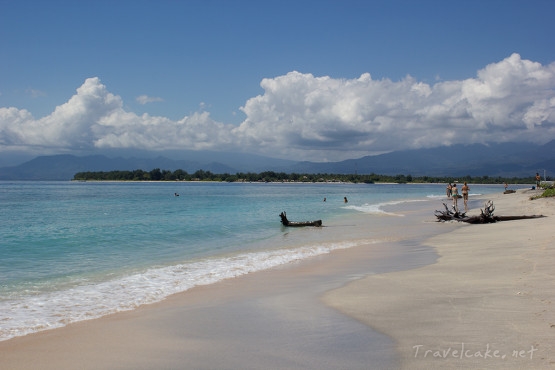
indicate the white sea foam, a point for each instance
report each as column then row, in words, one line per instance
column 30, row 314
column 378, row 208
column 372, row 209
column 436, row 196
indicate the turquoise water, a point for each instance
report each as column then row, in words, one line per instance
column 73, row 251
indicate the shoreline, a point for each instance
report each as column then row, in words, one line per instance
column 268, row 319
column 486, row 303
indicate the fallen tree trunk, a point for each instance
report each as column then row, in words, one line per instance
column 486, row 215
column 286, row 222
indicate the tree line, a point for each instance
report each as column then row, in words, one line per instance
column 271, row 176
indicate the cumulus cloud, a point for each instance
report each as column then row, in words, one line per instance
column 95, row 118
column 69, row 126
column 314, row 118
column 145, row 99
column 331, row 119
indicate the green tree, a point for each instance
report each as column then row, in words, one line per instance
column 156, row 174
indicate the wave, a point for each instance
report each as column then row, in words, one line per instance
column 435, row 196
column 443, row 196
column 378, row 208
column 34, row 313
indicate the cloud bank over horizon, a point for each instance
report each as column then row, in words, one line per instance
column 303, row 117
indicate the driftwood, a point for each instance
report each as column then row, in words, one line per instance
column 286, row 222
column 486, row 215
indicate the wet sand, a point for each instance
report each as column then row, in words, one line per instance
column 364, row 307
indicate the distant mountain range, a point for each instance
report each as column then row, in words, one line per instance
column 505, row 160
column 65, row 166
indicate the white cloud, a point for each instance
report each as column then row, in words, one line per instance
column 301, row 116
column 35, row 93
column 96, row 118
column 335, row 119
column 69, row 126
column 145, row 99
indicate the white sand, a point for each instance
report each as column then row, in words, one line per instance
column 492, row 289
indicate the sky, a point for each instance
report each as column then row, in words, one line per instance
column 317, row 80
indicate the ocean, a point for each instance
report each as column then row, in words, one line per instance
column 74, row 251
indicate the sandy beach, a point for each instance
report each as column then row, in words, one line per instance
column 421, row 294
column 488, row 302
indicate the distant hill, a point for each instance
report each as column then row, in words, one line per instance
column 505, row 160
column 64, row 166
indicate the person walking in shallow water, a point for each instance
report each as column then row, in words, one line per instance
column 465, row 190
column 455, row 194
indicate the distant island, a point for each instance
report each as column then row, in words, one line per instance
column 501, row 162
column 271, row 176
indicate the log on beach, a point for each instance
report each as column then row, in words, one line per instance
column 286, row 222
column 486, row 215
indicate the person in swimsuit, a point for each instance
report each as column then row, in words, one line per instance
column 455, row 194
column 465, row 190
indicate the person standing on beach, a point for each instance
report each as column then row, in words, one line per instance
column 465, row 190
column 455, row 194
column 448, row 190
column 538, row 180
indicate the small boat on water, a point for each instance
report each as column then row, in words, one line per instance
column 286, row 222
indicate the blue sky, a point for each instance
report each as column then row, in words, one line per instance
column 318, row 79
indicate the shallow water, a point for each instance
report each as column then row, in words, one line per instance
column 73, row 251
